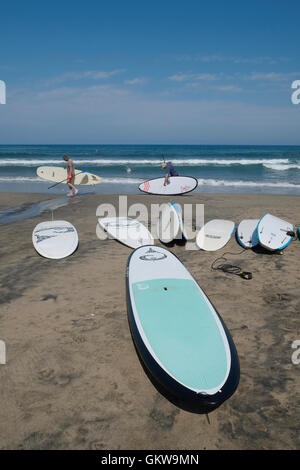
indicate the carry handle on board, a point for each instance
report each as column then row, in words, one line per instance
column 83, row 171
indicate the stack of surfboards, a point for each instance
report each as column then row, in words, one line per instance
column 57, row 174
column 170, row 225
column 55, row 239
column 128, row 231
column 270, row 232
column 179, row 336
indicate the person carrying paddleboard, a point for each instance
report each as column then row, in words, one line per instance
column 170, row 171
column 71, row 175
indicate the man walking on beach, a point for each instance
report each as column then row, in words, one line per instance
column 71, row 176
column 170, row 171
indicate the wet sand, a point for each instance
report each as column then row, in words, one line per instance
column 72, row 378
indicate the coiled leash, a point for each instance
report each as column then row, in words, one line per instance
column 231, row 268
column 236, row 270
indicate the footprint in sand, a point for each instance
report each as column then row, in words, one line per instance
column 48, row 376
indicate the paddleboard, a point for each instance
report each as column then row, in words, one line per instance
column 272, row 232
column 176, row 185
column 246, row 233
column 57, row 174
column 215, row 234
column 131, row 232
column 179, row 215
column 168, row 225
column 55, row 239
column 179, row 336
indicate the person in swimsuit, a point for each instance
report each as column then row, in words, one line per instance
column 170, row 171
column 71, row 175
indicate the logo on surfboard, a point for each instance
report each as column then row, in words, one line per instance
column 122, row 224
column 153, row 255
column 146, row 186
column 54, row 232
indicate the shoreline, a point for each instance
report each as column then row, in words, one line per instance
column 263, row 203
column 72, row 378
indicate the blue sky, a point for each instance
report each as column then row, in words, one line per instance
column 150, row 72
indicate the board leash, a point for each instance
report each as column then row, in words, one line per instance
column 231, row 268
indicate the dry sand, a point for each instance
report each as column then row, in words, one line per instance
column 72, row 378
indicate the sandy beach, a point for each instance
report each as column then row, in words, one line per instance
column 72, row 378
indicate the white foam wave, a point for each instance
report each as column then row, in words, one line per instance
column 20, row 179
column 29, row 162
column 136, row 181
column 141, row 162
column 224, row 162
column 237, row 183
column 122, row 180
column 29, row 179
column 278, row 167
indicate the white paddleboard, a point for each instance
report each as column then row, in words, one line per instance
column 177, row 332
column 246, row 233
column 176, row 185
column 215, row 234
column 57, row 174
column 178, row 210
column 272, row 232
column 168, row 224
column 131, row 232
column 55, row 239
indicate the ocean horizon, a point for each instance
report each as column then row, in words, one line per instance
column 218, row 168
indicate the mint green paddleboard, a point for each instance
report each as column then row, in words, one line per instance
column 179, row 336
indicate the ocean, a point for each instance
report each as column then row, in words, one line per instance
column 219, row 169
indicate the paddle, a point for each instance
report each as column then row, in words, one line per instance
column 55, row 184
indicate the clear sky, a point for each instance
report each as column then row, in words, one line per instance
column 168, row 71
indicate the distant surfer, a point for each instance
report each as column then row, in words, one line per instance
column 70, row 176
column 170, row 171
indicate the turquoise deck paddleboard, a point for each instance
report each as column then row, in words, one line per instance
column 179, row 336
